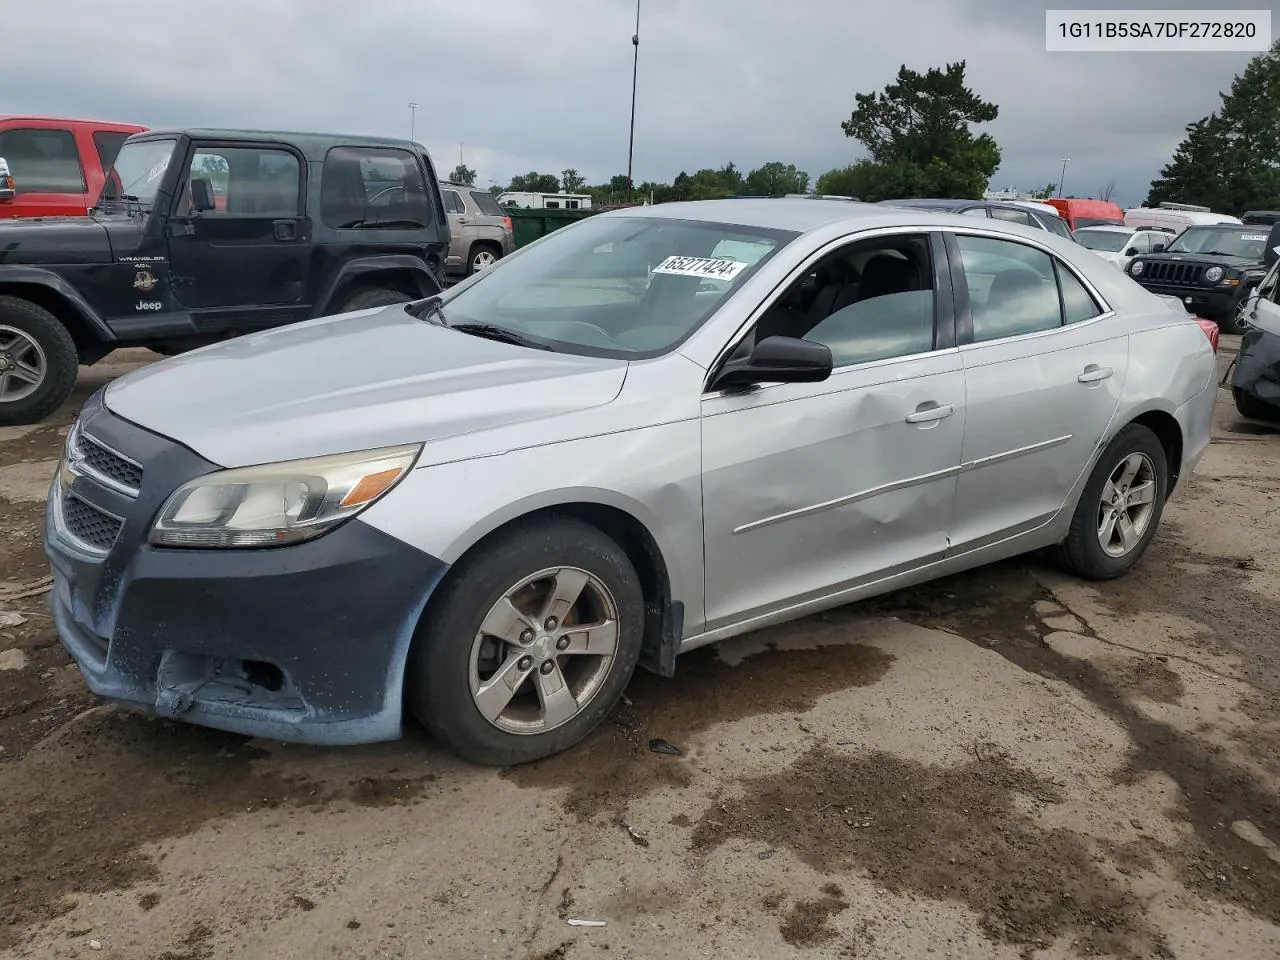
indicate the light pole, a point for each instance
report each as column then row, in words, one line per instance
column 635, row 67
column 413, row 107
column 1065, row 161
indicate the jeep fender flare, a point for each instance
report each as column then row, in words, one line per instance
column 369, row 267
column 36, row 276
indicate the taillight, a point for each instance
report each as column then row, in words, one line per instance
column 1210, row 330
column 506, row 222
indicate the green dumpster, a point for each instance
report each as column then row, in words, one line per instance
column 528, row 225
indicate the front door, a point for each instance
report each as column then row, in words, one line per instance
column 1044, row 368
column 251, row 251
column 810, row 489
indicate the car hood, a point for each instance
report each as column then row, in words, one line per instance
column 353, row 382
column 42, row 240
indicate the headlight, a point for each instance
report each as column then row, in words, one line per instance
column 1213, row 274
column 1135, row 268
column 279, row 503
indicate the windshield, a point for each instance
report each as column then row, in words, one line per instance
column 616, row 286
column 1244, row 242
column 138, row 171
column 1108, row 241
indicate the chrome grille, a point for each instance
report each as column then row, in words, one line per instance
column 1165, row 271
column 94, row 457
column 88, row 524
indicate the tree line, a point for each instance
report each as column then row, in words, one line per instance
column 918, row 134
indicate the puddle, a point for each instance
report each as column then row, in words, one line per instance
column 806, row 924
column 614, row 765
column 995, row 607
column 947, row 833
column 77, row 810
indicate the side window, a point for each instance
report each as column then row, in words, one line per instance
column 1141, row 242
column 486, row 204
column 367, row 187
column 1012, row 287
column 870, row 300
column 43, row 161
column 1013, row 216
column 453, row 202
column 1077, row 302
column 1158, row 241
column 108, row 145
column 246, row 181
column 975, row 212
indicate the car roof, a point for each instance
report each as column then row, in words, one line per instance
column 313, row 145
column 799, row 215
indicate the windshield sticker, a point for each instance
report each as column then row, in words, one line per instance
column 707, row 267
column 1253, row 236
column 157, row 169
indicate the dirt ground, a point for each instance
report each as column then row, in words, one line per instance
column 1008, row 763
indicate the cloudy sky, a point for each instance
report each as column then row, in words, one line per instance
column 521, row 85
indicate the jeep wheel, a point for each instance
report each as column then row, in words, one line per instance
column 373, row 297
column 483, row 256
column 1235, row 322
column 38, row 363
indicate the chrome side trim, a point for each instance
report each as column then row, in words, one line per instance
column 995, row 458
column 850, row 498
column 894, row 486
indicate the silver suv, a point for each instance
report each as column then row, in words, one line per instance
column 479, row 230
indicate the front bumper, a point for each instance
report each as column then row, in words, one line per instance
column 1212, row 303
column 304, row 643
column 1257, row 369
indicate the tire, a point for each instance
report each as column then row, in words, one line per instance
column 373, row 297
column 482, row 256
column 1082, row 552
column 1250, row 406
column 448, row 667
column 1234, row 322
column 31, row 333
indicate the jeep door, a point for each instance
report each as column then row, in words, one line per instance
column 242, row 260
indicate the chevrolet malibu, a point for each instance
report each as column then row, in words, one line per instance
column 648, row 431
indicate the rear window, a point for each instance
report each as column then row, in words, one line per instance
column 43, row 161
column 487, row 204
column 368, row 187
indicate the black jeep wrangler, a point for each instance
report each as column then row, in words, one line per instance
column 1211, row 268
column 201, row 235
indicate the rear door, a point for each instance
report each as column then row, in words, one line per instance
column 251, row 252
column 44, row 161
column 1044, row 364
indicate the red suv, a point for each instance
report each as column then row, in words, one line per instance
column 57, row 165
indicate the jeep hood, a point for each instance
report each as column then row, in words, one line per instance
column 353, row 382
column 41, row 240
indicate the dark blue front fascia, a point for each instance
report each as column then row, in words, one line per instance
column 304, row 643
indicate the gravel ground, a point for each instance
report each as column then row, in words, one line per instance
column 1006, row 763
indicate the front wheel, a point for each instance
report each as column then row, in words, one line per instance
column 38, row 362
column 1120, row 507
column 529, row 643
column 1235, row 321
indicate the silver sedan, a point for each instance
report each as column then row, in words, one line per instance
column 648, row 431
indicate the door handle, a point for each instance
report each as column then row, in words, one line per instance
column 285, row 229
column 1093, row 373
column 928, row 412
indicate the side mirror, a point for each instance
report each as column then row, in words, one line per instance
column 1272, row 253
column 1131, row 252
column 7, row 189
column 201, row 195
column 1158, row 247
column 777, row 360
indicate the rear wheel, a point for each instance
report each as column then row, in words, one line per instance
column 483, row 256
column 1120, row 507
column 529, row 643
column 38, row 362
column 373, row 297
